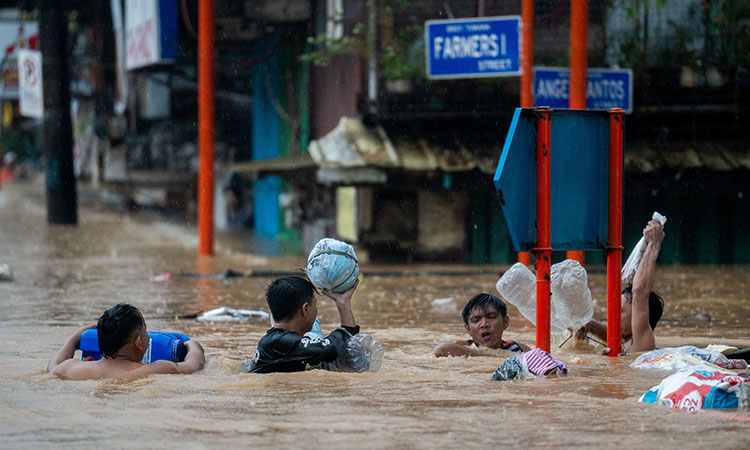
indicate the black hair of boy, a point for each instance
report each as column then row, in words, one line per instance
column 482, row 301
column 655, row 305
column 285, row 296
column 116, row 326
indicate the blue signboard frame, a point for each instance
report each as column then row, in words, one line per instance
column 605, row 88
column 579, row 152
column 480, row 47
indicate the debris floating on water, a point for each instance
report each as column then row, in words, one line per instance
column 5, row 273
column 226, row 314
column 443, row 301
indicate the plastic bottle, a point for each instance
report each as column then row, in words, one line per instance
column 362, row 353
column 161, row 345
column 570, row 302
column 316, row 332
column 571, row 296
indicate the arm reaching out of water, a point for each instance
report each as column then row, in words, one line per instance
column 643, row 283
column 636, row 303
column 343, row 304
column 68, row 350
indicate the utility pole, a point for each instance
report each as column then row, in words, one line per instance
column 62, row 200
column 579, row 19
column 206, row 106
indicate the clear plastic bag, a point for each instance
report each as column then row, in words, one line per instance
column 362, row 353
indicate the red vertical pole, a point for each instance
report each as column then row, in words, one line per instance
column 527, row 52
column 579, row 16
column 614, row 231
column 543, row 249
column 527, row 63
column 206, row 127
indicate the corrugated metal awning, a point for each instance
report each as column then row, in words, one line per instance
column 352, row 144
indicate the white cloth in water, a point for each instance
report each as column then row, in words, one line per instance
column 631, row 265
column 225, row 314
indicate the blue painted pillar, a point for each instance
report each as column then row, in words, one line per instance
column 266, row 139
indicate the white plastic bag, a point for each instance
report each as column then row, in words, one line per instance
column 631, row 265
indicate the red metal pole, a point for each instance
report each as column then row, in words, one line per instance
column 527, row 63
column 614, row 233
column 206, row 127
column 543, row 249
column 579, row 16
column 579, row 13
column 527, row 52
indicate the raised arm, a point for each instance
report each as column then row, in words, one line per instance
column 343, row 303
column 643, row 283
column 68, row 350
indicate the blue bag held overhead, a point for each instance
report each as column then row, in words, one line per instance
column 332, row 265
column 163, row 345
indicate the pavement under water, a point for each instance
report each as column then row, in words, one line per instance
column 65, row 277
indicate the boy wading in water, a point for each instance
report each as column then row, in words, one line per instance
column 123, row 340
column 294, row 308
column 485, row 319
column 641, row 307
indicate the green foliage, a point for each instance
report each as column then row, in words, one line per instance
column 324, row 49
column 404, row 56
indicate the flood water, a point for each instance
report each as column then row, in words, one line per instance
column 65, row 277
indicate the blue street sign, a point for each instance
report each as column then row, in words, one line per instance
column 579, row 153
column 605, row 88
column 473, row 48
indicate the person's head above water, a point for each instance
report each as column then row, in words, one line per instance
column 485, row 318
column 121, row 331
column 289, row 297
column 655, row 310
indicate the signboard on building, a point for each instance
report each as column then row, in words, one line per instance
column 150, row 32
column 605, row 88
column 473, row 48
column 30, row 98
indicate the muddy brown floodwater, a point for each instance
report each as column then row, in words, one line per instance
column 66, row 276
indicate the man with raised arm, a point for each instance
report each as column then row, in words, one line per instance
column 641, row 307
column 294, row 307
column 123, row 340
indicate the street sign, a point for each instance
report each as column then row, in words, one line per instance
column 579, row 153
column 473, row 48
column 605, row 88
column 150, row 32
column 30, row 98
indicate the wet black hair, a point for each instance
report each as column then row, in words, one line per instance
column 115, row 327
column 655, row 305
column 482, row 301
column 285, row 296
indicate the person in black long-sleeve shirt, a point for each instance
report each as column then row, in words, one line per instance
column 294, row 308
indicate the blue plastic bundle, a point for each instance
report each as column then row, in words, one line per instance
column 163, row 345
column 332, row 265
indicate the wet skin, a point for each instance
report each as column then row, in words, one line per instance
column 486, row 326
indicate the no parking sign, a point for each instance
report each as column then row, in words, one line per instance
column 30, row 98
